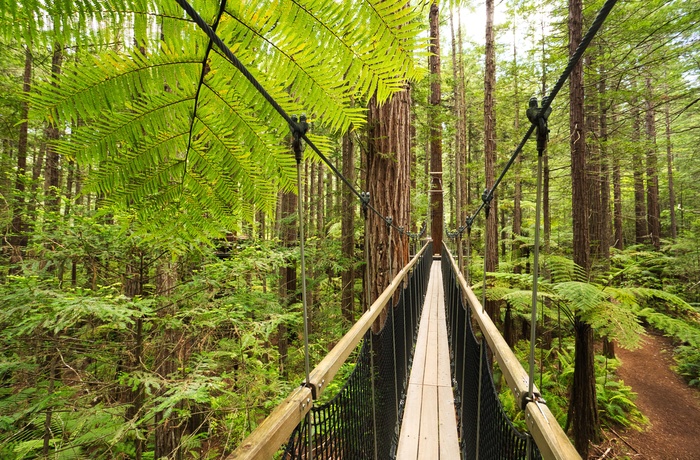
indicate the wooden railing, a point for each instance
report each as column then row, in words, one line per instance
column 276, row 429
column 544, row 428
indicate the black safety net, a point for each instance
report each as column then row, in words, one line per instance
column 483, row 424
column 344, row 427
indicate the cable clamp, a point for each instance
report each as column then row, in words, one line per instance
column 299, row 129
column 536, row 398
column 486, row 197
column 364, row 197
column 539, row 118
column 312, row 387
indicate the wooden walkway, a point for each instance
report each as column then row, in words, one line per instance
column 429, row 425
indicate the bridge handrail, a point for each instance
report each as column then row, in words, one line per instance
column 324, row 372
column 276, row 429
column 544, row 428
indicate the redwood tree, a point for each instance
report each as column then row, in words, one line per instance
column 388, row 182
column 583, row 409
column 436, row 199
column 490, row 152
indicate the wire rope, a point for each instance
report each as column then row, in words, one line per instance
column 547, row 101
column 206, row 28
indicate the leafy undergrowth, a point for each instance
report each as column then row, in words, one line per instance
column 615, row 399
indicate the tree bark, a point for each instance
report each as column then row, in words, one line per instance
column 52, row 133
column 388, row 181
column 653, row 208
column 436, row 194
column 593, row 166
column 348, row 231
column 605, row 217
column 287, row 288
column 617, row 195
column 171, row 355
column 490, row 154
column 19, row 239
column 583, row 405
column 640, row 222
column 583, row 411
column 517, row 182
column 669, row 166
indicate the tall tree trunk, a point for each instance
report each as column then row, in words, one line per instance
column 287, row 288
column 320, row 206
column 490, row 153
column 388, row 181
column 605, row 218
column 653, row 208
column 52, row 133
column 132, row 286
column 593, row 165
column 617, row 195
column 436, row 196
column 583, row 405
column 19, row 239
column 459, row 123
column 348, row 230
column 517, row 183
column 669, row 166
column 640, row 211
column 170, row 356
column 546, row 219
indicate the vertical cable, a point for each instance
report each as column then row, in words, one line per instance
column 542, row 132
column 482, row 351
column 299, row 129
column 535, row 275
column 390, row 306
column 300, row 210
column 365, row 201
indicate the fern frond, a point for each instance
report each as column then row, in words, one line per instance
column 582, row 297
column 170, row 121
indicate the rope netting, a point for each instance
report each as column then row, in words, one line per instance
column 344, row 427
column 484, row 428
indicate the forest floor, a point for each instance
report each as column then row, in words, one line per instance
column 673, row 408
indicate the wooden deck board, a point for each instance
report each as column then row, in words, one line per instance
column 429, row 426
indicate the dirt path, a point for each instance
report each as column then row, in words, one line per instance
column 673, row 408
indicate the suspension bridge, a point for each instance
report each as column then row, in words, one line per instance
column 422, row 387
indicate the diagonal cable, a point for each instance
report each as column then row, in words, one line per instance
column 292, row 124
column 547, row 102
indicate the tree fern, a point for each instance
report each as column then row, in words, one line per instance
column 171, row 124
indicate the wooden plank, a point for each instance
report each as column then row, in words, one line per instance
column 431, row 360
column 419, row 355
column 449, row 442
column 444, row 370
column 276, row 428
column 548, row 435
column 428, row 447
column 410, row 424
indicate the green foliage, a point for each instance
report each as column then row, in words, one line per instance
column 615, row 399
column 209, row 357
column 181, row 136
column 688, row 363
